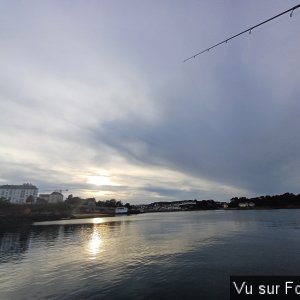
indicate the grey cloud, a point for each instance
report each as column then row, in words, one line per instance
column 245, row 139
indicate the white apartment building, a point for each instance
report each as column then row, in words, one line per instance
column 18, row 193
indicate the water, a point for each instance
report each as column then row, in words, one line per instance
column 183, row 255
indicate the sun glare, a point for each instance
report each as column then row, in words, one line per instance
column 100, row 180
column 98, row 220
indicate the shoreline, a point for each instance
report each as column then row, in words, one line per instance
column 91, row 215
column 11, row 221
column 21, row 220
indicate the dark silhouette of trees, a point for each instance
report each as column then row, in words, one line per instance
column 110, row 203
column 4, row 202
column 75, row 201
column 276, row 201
column 41, row 201
column 30, row 200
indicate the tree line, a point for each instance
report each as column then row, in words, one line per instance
column 284, row 200
column 76, row 201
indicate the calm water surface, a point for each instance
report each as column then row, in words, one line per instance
column 183, row 255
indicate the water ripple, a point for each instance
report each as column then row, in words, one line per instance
column 145, row 257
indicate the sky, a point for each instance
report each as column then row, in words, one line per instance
column 96, row 101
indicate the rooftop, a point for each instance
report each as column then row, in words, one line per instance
column 22, row 186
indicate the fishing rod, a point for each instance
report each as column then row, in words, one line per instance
column 291, row 10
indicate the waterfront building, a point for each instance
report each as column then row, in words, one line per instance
column 121, row 210
column 54, row 197
column 18, row 194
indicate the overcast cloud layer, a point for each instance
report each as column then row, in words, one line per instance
column 95, row 98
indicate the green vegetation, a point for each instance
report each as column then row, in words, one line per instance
column 77, row 201
column 15, row 213
column 4, row 202
column 110, row 203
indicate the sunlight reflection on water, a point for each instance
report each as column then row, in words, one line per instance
column 94, row 243
column 98, row 220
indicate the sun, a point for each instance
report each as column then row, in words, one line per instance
column 99, row 180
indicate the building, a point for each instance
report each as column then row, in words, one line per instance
column 54, row 197
column 18, row 194
column 121, row 210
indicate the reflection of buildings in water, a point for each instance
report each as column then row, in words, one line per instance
column 13, row 243
column 46, row 233
column 17, row 241
column 94, row 237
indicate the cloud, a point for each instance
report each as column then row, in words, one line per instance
column 99, row 89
